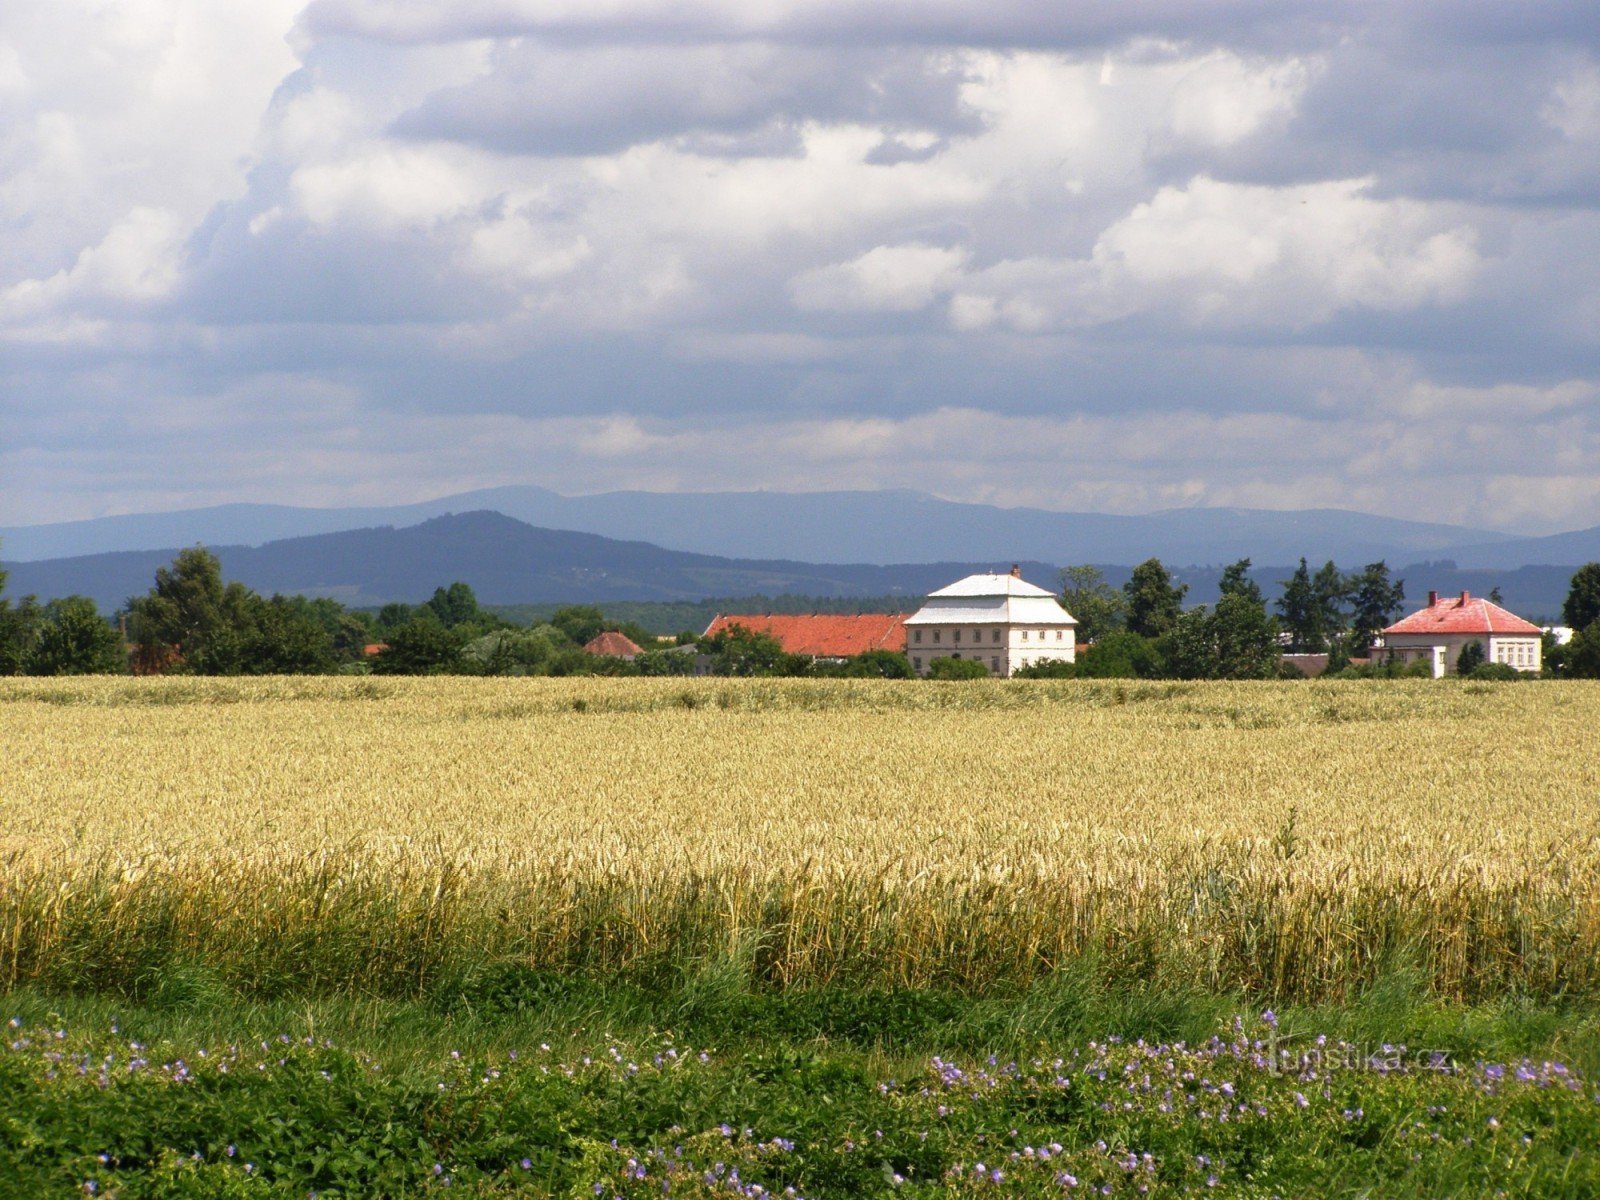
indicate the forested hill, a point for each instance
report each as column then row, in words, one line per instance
column 506, row 561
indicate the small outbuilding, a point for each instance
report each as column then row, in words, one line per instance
column 1439, row 632
column 999, row 620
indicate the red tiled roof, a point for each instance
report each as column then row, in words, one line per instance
column 824, row 635
column 613, row 645
column 1465, row 613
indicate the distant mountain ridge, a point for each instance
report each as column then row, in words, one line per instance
column 506, row 561
column 894, row 526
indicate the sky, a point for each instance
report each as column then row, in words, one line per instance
column 1162, row 253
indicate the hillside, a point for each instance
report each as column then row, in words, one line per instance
column 506, row 561
column 894, row 526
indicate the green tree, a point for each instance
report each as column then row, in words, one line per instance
column 1153, row 600
column 1095, row 604
column 390, row 617
column 74, row 639
column 1470, row 658
column 286, row 638
column 454, row 605
column 1582, row 606
column 957, row 668
column 1374, row 599
column 878, row 664
column 1580, row 658
column 1312, row 607
column 740, row 651
column 580, row 623
column 1121, row 655
column 1236, row 581
column 422, row 646
column 1245, row 637
column 192, row 621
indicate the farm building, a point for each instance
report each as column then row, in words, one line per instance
column 1439, row 632
column 822, row 635
column 612, row 644
column 1002, row 621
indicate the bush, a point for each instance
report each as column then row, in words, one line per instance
column 957, row 668
column 1495, row 670
column 1471, row 658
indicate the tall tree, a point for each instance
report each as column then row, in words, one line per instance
column 1154, row 601
column 191, row 619
column 454, row 605
column 1095, row 604
column 1374, row 600
column 1582, row 607
column 1331, row 590
column 74, row 639
column 1297, row 608
column 1236, row 581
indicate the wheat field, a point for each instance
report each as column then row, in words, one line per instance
column 356, row 835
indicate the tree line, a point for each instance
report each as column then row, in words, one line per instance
column 193, row 621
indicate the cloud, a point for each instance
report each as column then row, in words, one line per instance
column 884, row 279
column 1119, row 255
column 1231, row 255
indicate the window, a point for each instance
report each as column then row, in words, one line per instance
column 996, row 637
column 1058, row 635
column 957, row 636
column 935, row 637
column 994, row 665
column 916, row 636
column 917, row 662
column 1024, row 635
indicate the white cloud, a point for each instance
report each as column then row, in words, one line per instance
column 884, row 279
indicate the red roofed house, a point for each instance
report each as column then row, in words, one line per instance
column 1438, row 633
column 823, row 635
column 612, row 644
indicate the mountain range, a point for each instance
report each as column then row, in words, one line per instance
column 509, row 562
column 505, row 560
column 881, row 527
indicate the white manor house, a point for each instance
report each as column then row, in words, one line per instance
column 1001, row 621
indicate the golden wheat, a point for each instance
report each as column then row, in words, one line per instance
column 1289, row 839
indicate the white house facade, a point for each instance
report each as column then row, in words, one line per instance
column 1001, row 621
column 1438, row 633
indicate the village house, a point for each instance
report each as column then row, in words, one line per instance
column 612, row 644
column 1438, row 633
column 1001, row 621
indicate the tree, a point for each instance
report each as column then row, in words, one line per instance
column 191, row 620
column 17, row 626
column 74, row 639
column 454, row 605
column 1097, row 606
column 1236, row 581
column 1244, row 636
column 957, row 668
column 1373, row 602
column 740, row 651
column 1153, row 600
column 285, row 639
column 1470, row 658
column 1330, row 589
column 1121, row 655
column 422, row 646
column 1580, row 658
column 1582, row 607
column 579, row 622
column 1312, row 607
column 878, row 664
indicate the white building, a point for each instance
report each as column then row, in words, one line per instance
column 1438, row 633
column 1001, row 621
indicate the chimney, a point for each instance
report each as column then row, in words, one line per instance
column 1433, row 598
column 1465, row 596
column 1016, row 570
